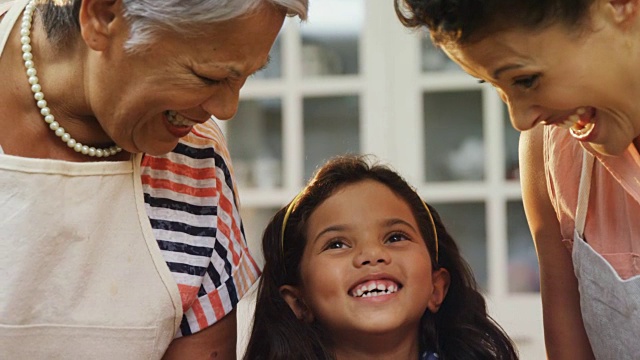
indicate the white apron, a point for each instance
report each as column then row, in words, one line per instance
column 81, row 275
column 609, row 304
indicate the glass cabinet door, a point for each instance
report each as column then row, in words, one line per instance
column 274, row 68
column 454, row 146
column 434, row 59
column 469, row 165
column 255, row 143
column 524, row 275
column 331, row 127
column 255, row 220
column 331, row 37
column 466, row 224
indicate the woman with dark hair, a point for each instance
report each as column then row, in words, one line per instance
column 568, row 71
column 357, row 266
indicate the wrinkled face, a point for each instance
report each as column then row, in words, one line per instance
column 366, row 268
column 585, row 80
column 147, row 100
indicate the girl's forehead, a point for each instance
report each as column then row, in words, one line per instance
column 363, row 201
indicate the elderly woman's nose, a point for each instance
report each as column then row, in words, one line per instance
column 222, row 106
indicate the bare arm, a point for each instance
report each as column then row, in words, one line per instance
column 215, row 342
column 565, row 337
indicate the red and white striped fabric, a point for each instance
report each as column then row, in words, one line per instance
column 192, row 203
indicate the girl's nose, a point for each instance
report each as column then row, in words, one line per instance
column 372, row 255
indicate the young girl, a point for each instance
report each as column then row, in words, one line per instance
column 357, row 266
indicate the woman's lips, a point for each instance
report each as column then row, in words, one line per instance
column 583, row 127
column 178, row 125
column 581, row 123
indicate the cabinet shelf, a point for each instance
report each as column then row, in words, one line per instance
column 438, row 192
column 316, row 86
column 262, row 198
column 465, row 191
column 436, row 81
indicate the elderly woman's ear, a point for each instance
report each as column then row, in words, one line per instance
column 100, row 22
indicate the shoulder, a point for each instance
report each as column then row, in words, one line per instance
column 201, row 158
column 533, row 179
column 550, row 160
column 207, row 135
column 5, row 7
column 531, row 154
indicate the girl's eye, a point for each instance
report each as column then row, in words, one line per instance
column 526, row 82
column 395, row 237
column 335, row 244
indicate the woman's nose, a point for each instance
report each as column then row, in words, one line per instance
column 223, row 104
column 523, row 117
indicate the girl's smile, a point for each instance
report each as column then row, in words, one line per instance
column 375, row 286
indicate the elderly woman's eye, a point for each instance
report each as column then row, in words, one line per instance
column 208, row 81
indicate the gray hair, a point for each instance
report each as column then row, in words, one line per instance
column 146, row 17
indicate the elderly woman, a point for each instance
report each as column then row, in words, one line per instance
column 119, row 226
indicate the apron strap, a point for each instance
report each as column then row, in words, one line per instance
column 4, row 7
column 12, row 13
column 583, row 191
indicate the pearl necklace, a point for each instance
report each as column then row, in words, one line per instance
column 38, row 95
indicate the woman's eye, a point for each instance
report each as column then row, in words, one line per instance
column 396, row 237
column 526, row 82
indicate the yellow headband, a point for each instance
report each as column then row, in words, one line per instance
column 292, row 204
column 295, row 201
column 433, row 226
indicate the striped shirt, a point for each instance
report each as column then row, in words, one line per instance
column 192, row 204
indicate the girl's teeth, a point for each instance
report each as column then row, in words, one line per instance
column 374, row 289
